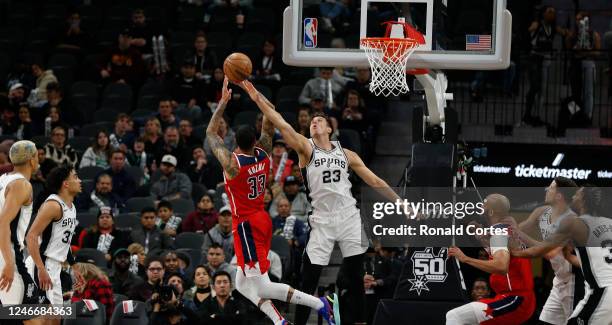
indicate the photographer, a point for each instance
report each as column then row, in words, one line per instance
column 170, row 309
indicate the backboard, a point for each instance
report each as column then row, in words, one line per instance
column 459, row 34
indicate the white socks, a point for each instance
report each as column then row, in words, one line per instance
column 302, row 298
column 268, row 308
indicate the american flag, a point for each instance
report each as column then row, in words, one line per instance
column 477, row 42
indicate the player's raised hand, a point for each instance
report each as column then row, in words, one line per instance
column 44, row 280
column 250, row 89
column 457, row 253
column 226, row 93
column 6, row 278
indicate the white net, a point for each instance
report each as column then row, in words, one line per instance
column 388, row 58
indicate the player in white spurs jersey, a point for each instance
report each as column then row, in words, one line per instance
column 334, row 217
column 49, row 237
column 592, row 236
column 16, row 285
column 560, row 302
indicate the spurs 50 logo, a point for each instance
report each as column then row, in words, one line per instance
column 428, row 267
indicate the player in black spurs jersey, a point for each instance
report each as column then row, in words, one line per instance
column 49, row 237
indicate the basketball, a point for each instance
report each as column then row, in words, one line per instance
column 237, row 67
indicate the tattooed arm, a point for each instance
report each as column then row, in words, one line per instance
column 217, row 146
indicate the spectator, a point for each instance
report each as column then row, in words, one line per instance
column 172, row 267
column 585, row 43
column 176, row 280
column 69, row 114
column 155, row 274
column 138, row 157
column 166, row 220
column 480, row 289
column 16, row 95
column 74, row 38
column 204, row 171
column 288, row 226
column 165, row 115
column 382, row 274
column 223, row 309
column 228, row 136
column 152, row 136
column 205, row 59
column 174, row 311
column 354, row 114
column 542, row 34
column 332, row 14
column 362, row 85
column 25, row 128
column 173, row 146
column 122, row 138
column 123, row 63
column 186, row 134
column 268, row 199
column 201, row 291
column 98, row 154
column 268, row 66
column 45, row 165
column 102, row 196
column 221, row 234
column 188, row 91
column 104, row 236
column 325, row 86
column 8, row 121
column 148, row 235
column 58, row 150
column 203, row 218
column 280, row 159
column 121, row 278
column 141, row 33
column 171, row 185
column 137, row 259
column 216, row 261
column 123, row 183
column 96, row 287
column 303, row 121
column 213, row 89
column 38, row 96
column 300, row 206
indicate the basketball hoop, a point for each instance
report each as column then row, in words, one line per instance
column 388, row 57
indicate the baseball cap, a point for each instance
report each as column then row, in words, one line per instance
column 121, row 251
column 280, row 141
column 16, row 86
column 105, row 210
column 291, row 180
column 225, row 208
column 169, row 159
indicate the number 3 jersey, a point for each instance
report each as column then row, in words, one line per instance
column 57, row 236
column 246, row 191
column 327, row 180
column 596, row 255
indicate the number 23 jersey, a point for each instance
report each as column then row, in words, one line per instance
column 246, row 191
column 57, row 236
column 327, row 180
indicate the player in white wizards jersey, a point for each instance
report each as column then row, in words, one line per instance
column 334, row 217
column 592, row 236
column 49, row 237
column 16, row 285
column 560, row 302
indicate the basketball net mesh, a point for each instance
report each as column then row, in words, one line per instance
column 388, row 57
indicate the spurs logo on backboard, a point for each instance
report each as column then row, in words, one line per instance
column 428, row 267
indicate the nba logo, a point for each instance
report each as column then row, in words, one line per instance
column 310, row 32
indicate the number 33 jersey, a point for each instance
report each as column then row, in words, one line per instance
column 327, row 180
column 57, row 236
column 246, row 191
column 596, row 255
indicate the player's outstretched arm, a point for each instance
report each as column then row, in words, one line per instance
column 570, row 229
column 294, row 140
column 499, row 264
column 215, row 142
column 531, row 225
column 379, row 185
column 17, row 194
column 267, row 133
column 46, row 214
